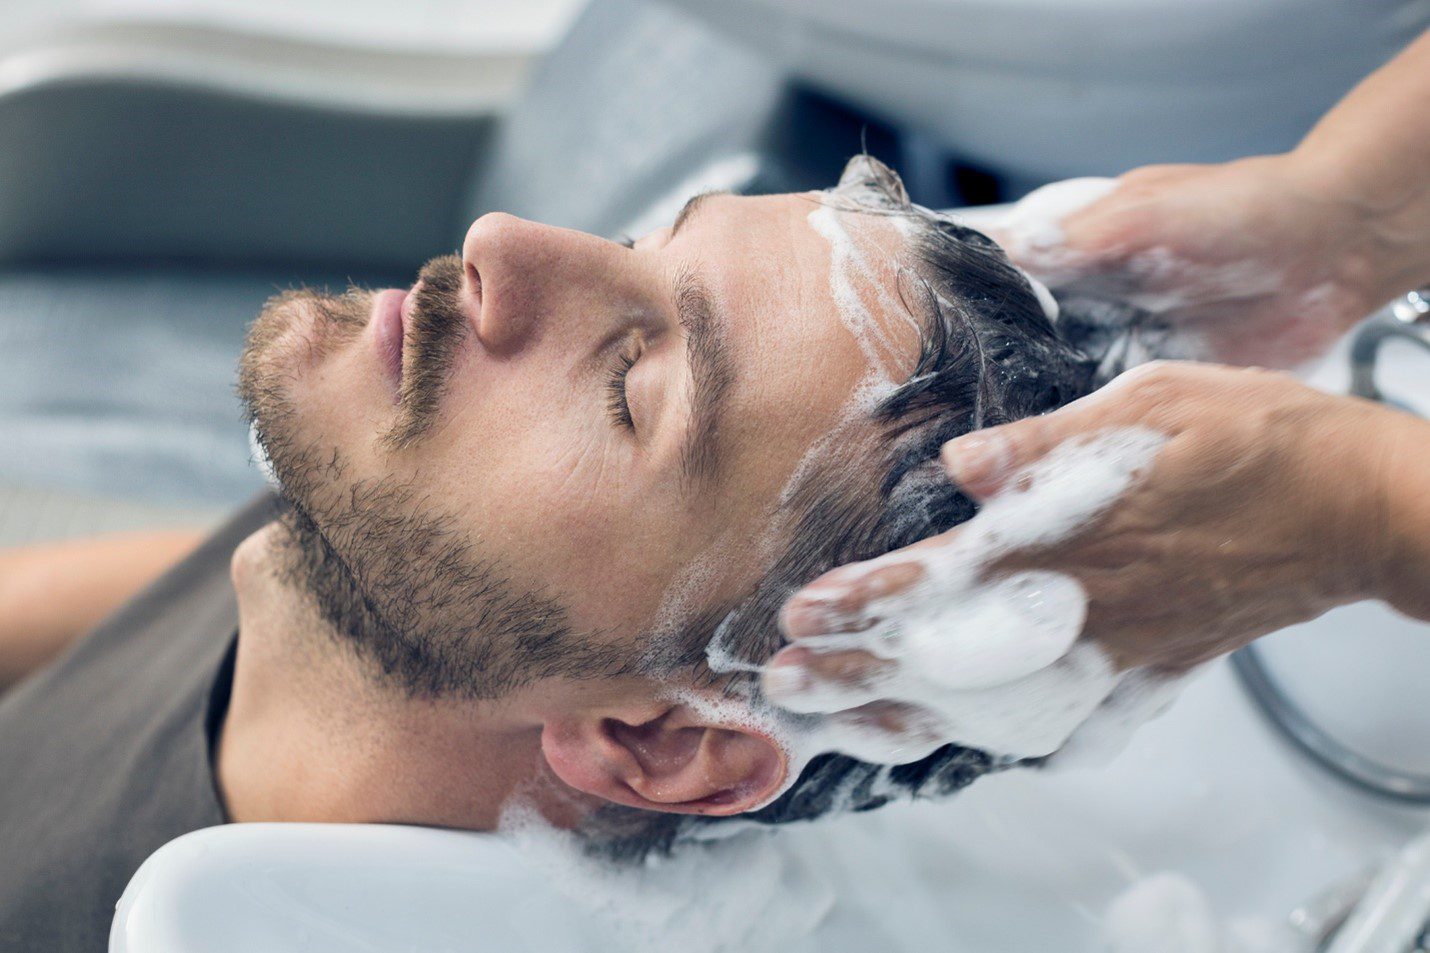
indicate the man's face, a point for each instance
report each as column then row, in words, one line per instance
column 574, row 430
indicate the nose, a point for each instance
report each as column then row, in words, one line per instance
column 516, row 274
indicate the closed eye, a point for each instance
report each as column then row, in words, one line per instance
column 617, row 404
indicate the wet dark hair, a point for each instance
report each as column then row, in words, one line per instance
column 989, row 355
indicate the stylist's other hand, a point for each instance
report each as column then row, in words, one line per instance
column 1267, row 504
column 1252, row 262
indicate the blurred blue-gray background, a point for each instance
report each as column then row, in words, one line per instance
column 166, row 166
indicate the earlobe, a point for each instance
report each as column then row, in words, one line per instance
column 672, row 760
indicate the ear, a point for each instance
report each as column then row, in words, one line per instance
column 666, row 757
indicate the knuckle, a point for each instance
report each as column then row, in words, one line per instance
column 1267, row 375
column 1016, row 442
column 1157, row 382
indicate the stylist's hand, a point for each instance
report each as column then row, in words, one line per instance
column 1267, row 505
column 1253, row 261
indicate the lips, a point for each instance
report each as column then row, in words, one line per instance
column 389, row 327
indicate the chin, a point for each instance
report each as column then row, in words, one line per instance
column 292, row 335
column 276, row 361
column 278, row 348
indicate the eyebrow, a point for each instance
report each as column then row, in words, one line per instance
column 691, row 207
column 711, row 372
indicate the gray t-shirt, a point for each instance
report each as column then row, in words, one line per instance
column 105, row 755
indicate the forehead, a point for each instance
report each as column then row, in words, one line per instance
column 816, row 327
column 810, row 275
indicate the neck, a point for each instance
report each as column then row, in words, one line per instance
column 313, row 734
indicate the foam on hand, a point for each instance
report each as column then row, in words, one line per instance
column 987, row 661
column 993, row 661
column 1032, row 228
column 1168, row 305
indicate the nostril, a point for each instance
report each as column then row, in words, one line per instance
column 474, row 281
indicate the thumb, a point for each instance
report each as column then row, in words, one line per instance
column 983, row 462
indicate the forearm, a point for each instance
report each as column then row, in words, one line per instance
column 50, row 594
column 1373, row 151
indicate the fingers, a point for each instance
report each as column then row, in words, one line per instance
column 849, row 688
column 1031, row 227
column 983, row 462
column 846, row 599
column 858, row 597
column 818, row 682
column 888, row 732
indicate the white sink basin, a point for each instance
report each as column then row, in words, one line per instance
column 1021, row 861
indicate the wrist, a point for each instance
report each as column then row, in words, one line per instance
column 1384, row 220
column 1405, row 564
column 1341, row 477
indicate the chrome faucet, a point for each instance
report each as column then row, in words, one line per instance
column 1407, row 318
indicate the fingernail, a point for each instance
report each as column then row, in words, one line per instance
column 785, row 680
column 977, row 460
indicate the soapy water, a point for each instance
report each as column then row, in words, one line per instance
column 1165, row 913
column 1169, row 913
column 750, row 891
column 738, row 893
column 853, row 280
column 990, row 662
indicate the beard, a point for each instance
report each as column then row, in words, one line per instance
column 396, row 578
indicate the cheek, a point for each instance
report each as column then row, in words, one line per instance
column 341, row 400
column 519, row 464
column 556, row 500
column 611, row 542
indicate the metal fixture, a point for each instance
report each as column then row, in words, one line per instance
column 1407, row 318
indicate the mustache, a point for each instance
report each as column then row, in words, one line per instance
column 435, row 332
